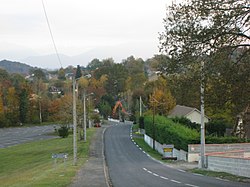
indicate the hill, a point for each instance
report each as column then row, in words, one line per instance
column 15, row 67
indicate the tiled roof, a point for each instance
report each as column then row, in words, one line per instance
column 181, row 111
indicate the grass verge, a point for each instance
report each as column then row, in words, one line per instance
column 148, row 149
column 221, row 175
column 31, row 164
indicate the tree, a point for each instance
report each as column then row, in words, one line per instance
column 94, row 64
column 78, row 72
column 12, row 107
column 105, row 109
column 61, row 74
column 23, row 104
column 161, row 102
column 217, row 33
column 196, row 28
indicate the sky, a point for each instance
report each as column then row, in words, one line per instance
column 79, row 26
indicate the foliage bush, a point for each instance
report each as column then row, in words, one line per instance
column 222, row 140
column 186, row 122
column 63, row 131
column 216, row 128
column 168, row 132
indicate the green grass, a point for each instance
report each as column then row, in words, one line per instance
column 148, row 149
column 221, row 175
column 31, row 164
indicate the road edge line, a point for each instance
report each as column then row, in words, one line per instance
column 105, row 167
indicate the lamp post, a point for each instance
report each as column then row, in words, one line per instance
column 84, row 116
column 74, row 123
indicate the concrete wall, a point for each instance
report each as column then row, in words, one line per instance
column 194, row 149
column 179, row 154
column 235, row 166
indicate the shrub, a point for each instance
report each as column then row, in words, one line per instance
column 222, row 140
column 216, row 128
column 186, row 122
column 168, row 132
column 63, row 131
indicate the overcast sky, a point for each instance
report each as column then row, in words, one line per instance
column 79, row 26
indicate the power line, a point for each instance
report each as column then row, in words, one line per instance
column 45, row 13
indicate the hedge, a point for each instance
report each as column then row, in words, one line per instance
column 168, row 132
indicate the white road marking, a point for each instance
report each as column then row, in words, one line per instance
column 176, row 181
column 163, row 177
column 155, row 174
column 181, row 170
column 197, row 174
column 222, row 179
column 191, row 185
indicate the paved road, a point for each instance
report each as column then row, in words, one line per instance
column 130, row 166
column 18, row 135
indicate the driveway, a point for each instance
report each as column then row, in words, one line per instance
column 18, row 135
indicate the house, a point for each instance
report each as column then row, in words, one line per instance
column 191, row 113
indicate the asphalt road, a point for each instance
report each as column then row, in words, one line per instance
column 131, row 167
column 18, row 135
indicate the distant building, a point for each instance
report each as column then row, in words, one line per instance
column 54, row 90
column 193, row 114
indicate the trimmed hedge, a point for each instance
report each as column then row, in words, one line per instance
column 168, row 132
column 221, row 140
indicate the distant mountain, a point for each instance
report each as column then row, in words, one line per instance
column 118, row 53
column 15, row 67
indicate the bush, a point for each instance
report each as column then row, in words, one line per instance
column 186, row 122
column 63, row 131
column 222, row 140
column 168, row 132
column 216, row 128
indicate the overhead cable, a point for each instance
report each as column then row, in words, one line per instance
column 46, row 16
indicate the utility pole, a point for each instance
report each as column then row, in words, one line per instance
column 202, row 149
column 153, row 125
column 140, row 107
column 74, row 123
column 84, row 117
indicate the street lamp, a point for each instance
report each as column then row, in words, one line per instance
column 74, row 122
column 84, row 116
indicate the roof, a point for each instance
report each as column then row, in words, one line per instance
column 182, row 111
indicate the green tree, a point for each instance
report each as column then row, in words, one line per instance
column 61, row 74
column 217, row 33
column 23, row 104
column 105, row 109
column 94, row 64
column 195, row 28
column 78, row 72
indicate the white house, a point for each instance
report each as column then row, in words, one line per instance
column 191, row 113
